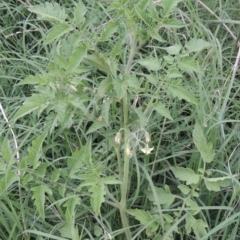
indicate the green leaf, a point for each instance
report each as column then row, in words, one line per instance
column 173, row 23
column 181, row 93
column 55, row 175
column 152, row 79
column 199, row 228
column 97, row 230
column 134, row 83
column 7, row 151
column 76, row 58
column 184, row 189
column 109, row 30
column 51, row 122
column 152, row 11
column 215, row 184
column 89, row 182
column 105, row 87
column 9, row 178
column 97, row 197
column 205, row 148
column 190, row 220
column 151, row 63
column 41, row 170
column 143, row 119
column 49, row 11
column 212, row 186
column 161, row 109
column 168, row 218
column 69, row 231
column 79, row 12
column 78, row 159
column 110, row 180
column 197, row 45
column 192, row 204
column 120, row 86
column 60, row 107
column 35, row 151
column 95, row 126
column 101, row 63
column 142, row 15
column 39, row 198
column 173, row 50
column 60, row 60
column 57, row 32
column 27, row 178
column 144, row 217
column 62, row 189
column 163, row 197
column 66, row 231
column 117, row 49
column 71, row 205
column 106, row 110
column 173, row 73
column 78, row 102
column 155, row 35
column 186, row 174
column 41, row 79
column 168, row 7
column 169, row 59
column 31, row 104
column 188, row 64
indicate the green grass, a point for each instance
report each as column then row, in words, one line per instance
column 118, row 135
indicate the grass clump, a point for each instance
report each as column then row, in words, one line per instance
column 120, row 120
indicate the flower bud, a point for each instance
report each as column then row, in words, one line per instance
column 117, row 138
column 147, row 137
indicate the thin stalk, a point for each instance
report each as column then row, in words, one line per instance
column 126, row 163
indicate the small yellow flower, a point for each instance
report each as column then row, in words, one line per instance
column 85, row 89
column 147, row 150
column 117, row 138
column 147, row 137
column 95, row 90
column 72, row 88
column 128, row 151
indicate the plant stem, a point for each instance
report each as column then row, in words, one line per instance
column 126, row 163
column 123, row 202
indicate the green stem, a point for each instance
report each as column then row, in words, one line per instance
column 126, row 163
column 124, row 190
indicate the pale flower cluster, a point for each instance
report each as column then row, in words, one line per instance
column 146, row 150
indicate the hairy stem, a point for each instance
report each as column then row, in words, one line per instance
column 126, row 163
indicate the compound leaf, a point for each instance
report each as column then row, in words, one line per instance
column 39, row 198
column 151, row 63
column 186, row 174
column 97, row 197
column 182, row 93
column 197, row 45
column 168, row 6
column 144, row 217
column 205, row 148
column 31, row 104
column 49, row 12
column 161, row 109
column 57, row 31
column 76, row 58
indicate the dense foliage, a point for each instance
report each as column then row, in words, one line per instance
column 119, row 120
